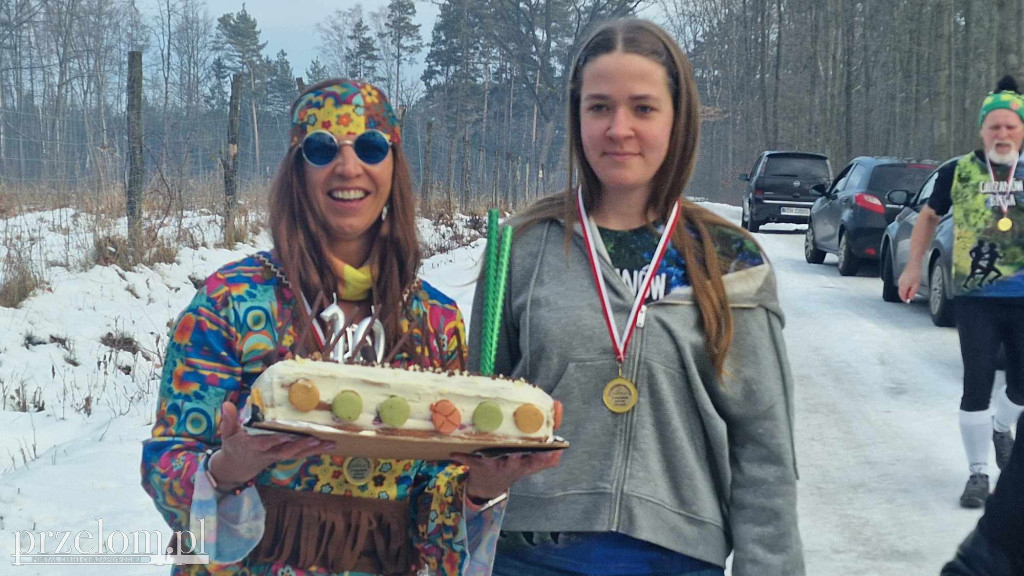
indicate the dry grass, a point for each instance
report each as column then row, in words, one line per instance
column 437, row 207
column 17, row 397
column 173, row 210
column 20, row 277
column 120, row 341
column 173, row 218
column 116, row 249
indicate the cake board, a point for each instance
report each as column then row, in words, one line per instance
column 373, row 444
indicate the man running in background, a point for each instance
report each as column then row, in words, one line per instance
column 984, row 190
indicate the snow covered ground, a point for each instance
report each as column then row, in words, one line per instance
column 877, row 391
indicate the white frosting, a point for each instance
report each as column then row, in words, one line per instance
column 420, row 388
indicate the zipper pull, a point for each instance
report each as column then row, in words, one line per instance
column 641, row 316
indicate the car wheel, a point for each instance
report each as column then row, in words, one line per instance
column 811, row 252
column 751, row 224
column 848, row 263
column 890, row 289
column 940, row 304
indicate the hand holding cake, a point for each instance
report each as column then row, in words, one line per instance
column 492, row 477
column 242, row 456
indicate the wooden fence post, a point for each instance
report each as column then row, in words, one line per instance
column 136, row 162
column 230, row 164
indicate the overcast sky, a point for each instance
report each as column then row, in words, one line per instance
column 291, row 26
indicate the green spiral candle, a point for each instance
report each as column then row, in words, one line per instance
column 495, row 298
column 489, row 279
column 492, row 247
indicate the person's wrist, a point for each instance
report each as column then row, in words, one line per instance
column 481, row 504
column 478, row 500
column 482, row 497
column 218, row 480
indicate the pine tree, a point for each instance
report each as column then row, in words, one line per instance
column 281, row 89
column 402, row 36
column 238, row 38
column 454, row 46
column 362, row 58
column 220, row 75
column 317, row 72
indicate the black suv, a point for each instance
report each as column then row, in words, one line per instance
column 779, row 187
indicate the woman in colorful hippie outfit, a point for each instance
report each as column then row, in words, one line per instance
column 656, row 324
column 343, row 225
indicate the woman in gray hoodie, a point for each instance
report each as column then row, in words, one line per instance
column 656, row 324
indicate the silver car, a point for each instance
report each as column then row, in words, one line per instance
column 937, row 266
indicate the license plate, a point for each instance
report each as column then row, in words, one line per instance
column 787, row 211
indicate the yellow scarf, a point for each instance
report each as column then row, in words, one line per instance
column 356, row 283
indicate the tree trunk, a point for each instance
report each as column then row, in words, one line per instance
column 483, row 130
column 944, row 86
column 848, row 39
column 427, row 183
column 778, row 71
column 255, row 123
column 764, row 16
column 1008, row 37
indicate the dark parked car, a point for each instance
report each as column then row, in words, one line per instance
column 779, row 187
column 849, row 217
column 937, row 266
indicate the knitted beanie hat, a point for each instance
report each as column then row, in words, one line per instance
column 1006, row 95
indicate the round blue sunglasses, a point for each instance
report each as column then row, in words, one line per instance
column 320, row 147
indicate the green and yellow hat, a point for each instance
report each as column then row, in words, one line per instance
column 1006, row 96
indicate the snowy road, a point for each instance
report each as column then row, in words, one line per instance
column 877, row 393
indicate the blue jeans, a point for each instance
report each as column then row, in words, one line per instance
column 505, row 565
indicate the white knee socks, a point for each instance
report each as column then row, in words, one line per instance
column 1006, row 413
column 976, row 430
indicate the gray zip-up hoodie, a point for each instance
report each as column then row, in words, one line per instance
column 703, row 466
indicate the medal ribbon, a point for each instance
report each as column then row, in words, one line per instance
column 621, row 343
column 1003, row 197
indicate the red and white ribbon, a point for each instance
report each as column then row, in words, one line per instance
column 621, row 343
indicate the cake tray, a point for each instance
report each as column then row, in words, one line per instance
column 374, row 444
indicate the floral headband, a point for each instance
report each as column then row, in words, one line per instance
column 347, row 107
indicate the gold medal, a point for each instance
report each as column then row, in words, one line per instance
column 1004, row 198
column 358, row 470
column 620, row 395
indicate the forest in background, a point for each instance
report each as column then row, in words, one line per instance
column 482, row 95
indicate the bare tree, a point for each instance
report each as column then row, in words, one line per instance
column 335, row 38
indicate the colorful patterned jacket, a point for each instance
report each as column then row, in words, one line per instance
column 217, row 349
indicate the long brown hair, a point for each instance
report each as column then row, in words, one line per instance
column 299, row 232
column 704, row 267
